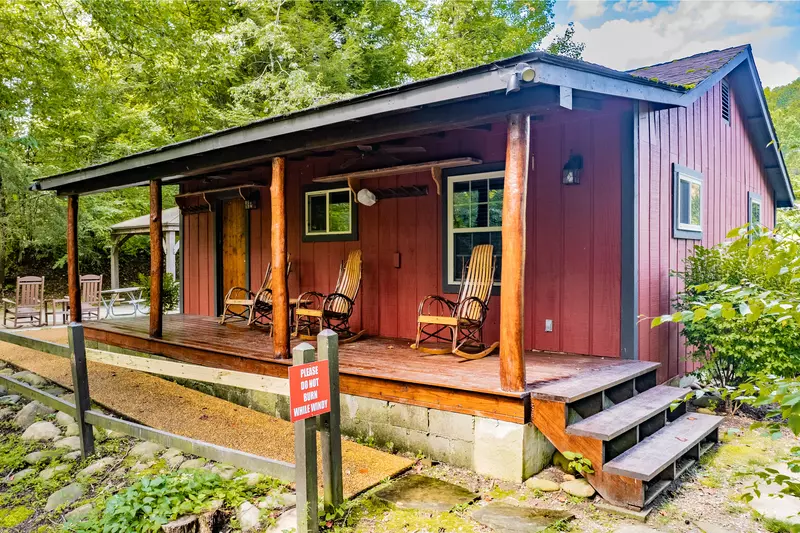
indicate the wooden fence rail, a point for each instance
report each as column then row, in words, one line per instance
column 303, row 473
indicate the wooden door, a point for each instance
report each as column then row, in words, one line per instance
column 233, row 247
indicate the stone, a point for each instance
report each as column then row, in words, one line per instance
column 111, row 434
column 6, row 372
column 513, row 519
column 64, row 496
column 636, row 529
column 27, row 415
column 54, row 390
column 175, row 461
column 34, row 458
column 270, row 502
column 769, row 502
column 146, row 450
column 641, row 516
column 34, row 380
column 171, row 452
column 6, row 413
column 16, row 477
column 184, row 524
column 49, row 473
column 63, row 419
column 705, row 411
column 72, row 430
column 193, row 463
column 249, row 517
column 708, row 527
column 285, row 522
column 79, row 513
column 39, row 431
column 508, row 451
column 226, row 472
column 140, row 466
column 544, row 485
column 451, row 425
column 72, row 456
column 70, row 443
column 10, row 399
column 95, row 468
column 569, row 477
column 425, row 493
column 579, row 488
column 251, row 479
column 287, row 499
column 3, row 391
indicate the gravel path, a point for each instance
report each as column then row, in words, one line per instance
column 168, row 406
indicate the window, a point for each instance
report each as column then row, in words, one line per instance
column 687, row 206
column 754, row 211
column 726, row 102
column 474, row 207
column 330, row 215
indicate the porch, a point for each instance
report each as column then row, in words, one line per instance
column 376, row 367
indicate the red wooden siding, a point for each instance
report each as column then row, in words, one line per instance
column 696, row 138
column 573, row 244
column 198, row 263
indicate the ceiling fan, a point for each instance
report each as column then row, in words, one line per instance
column 377, row 155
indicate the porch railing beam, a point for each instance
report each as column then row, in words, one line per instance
column 512, row 272
column 156, row 260
column 280, row 289
column 73, row 270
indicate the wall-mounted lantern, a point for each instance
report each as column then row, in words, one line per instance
column 571, row 175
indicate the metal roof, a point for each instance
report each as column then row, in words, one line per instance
column 337, row 123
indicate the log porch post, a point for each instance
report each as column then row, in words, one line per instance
column 280, row 290
column 156, row 260
column 512, row 272
column 73, row 270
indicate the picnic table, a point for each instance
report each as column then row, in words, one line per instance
column 129, row 295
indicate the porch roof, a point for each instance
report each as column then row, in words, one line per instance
column 468, row 97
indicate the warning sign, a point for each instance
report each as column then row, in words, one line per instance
column 309, row 390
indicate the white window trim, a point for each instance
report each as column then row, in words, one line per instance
column 755, row 200
column 699, row 182
column 451, row 230
column 326, row 193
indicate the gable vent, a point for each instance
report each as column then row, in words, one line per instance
column 726, row 102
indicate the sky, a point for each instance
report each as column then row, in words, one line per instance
column 625, row 34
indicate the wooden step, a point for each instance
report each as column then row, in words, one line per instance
column 588, row 383
column 648, row 458
column 616, row 420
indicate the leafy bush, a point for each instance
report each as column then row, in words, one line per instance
column 156, row 500
column 170, row 293
column 717, row 281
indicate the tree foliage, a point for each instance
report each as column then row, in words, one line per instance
column 87, row 81
column 784, row 107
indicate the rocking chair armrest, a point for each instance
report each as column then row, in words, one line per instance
column 458, row 312
column 312, row 297
column 250, row 294
column 7, row 301
column 451, row 305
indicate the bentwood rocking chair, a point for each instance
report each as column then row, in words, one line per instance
column 460, row 323
column 331, row 311
column 28, row 303
column 254, row 307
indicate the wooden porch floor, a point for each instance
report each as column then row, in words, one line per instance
column 374, row 367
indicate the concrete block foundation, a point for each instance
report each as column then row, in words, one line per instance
column 503, row 450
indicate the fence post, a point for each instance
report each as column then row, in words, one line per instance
column 80, row 382
column 305, row 458
column 330, row 423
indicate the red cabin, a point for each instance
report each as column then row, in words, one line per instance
column 591, row 184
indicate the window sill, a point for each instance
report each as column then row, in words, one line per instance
column 689, row 235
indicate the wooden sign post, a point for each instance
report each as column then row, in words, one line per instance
column 313, row 392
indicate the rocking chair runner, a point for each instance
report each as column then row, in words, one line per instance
column 28, row 303
column 254, row 307
column 334, row 310
column 462, row 325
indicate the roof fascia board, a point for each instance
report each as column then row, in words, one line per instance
column 561, row 76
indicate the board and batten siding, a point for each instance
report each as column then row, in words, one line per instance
column 698, row 138
column 573, row 237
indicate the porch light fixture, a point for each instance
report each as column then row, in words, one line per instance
column 522, row 72
column 571, row 175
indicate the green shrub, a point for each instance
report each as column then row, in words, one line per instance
column 170, row 293
column 740, row 346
